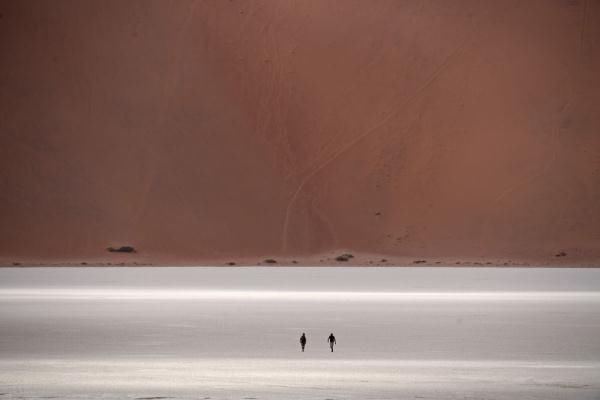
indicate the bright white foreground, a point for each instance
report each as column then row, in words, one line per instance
column 233, row 333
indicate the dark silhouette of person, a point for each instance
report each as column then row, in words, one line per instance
column 331, row 340
column 303, row 341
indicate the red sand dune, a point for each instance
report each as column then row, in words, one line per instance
column 197, row 130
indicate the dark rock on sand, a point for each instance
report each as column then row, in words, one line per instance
column 344, row 257
column 122, row 249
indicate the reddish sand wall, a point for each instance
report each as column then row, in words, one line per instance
column 203, row 129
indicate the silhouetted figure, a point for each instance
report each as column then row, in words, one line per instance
column 331, row 340
column 303, row 341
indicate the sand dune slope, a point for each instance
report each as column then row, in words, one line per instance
column 206, row 129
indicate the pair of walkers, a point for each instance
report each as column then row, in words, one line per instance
column 330, row 340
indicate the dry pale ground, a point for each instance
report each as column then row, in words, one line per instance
column 232, row 333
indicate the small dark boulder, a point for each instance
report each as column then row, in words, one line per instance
column 270, row 261
column 122, row 249
column 419, row 261
column 343, row 258
column 16, row 264
column 230, row 263
column 561, row 254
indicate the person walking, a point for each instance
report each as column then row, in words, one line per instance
column 303, row 341
column 331, row 340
